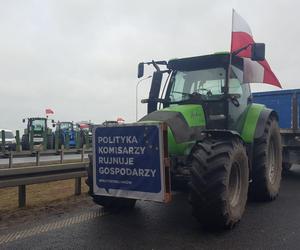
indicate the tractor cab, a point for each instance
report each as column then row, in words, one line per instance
column 37, row 133
column 211, row 83
column 38, row 125
column 207, row 81
column 65, row 134
column 214, row 82
column 65, row 126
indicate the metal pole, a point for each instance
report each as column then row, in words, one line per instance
column 22, row 196
column 78, row 186
column 136, row 96
column 57, row 140
column 87, row 139
column 45, row 139
column 37, row 158
column 82, row 153
column 62, row 153
column 3, row 141
column 67, row 139
column 18, row 146
column 77, row 139
column 10, row 161
column 31, row 138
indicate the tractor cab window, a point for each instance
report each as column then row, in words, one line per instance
column 38, row 125
column 66, row 125
column 206, row 83
column 9, row 135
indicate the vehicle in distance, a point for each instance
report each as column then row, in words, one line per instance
column 10, row 140
column 287, row 105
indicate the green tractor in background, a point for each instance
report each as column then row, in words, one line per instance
column 222, row 146
column 37, row 134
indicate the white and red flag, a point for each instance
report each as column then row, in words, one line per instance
column 49, row 111
column 254, row 72
column 120, row 120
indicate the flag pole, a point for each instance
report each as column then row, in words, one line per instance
column 230, row 54
column 229, row 71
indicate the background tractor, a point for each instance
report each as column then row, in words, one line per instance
column 37, row 134
column 65, row 132
column 221, row 146
column 85, row 132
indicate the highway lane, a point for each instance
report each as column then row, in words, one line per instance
column 274, row 225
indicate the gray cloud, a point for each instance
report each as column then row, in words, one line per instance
column 80, row 57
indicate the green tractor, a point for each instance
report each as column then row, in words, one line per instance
column 37, row 134
column 222, row 147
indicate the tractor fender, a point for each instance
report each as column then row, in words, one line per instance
column 180, row 128
column 217, row 133
column 262, row 120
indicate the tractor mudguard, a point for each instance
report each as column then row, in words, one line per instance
column 181, row 130
column 262, row 120
column 256, row 118
column 249, row 127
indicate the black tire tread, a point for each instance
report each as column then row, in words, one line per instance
column 259, row 189
column 208, row 181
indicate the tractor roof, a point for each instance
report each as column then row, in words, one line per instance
column 202, row 62
column 37, row 118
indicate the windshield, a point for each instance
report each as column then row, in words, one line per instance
column 66, row 125
column 9, row 135
column 38, row 125
column 208, row 83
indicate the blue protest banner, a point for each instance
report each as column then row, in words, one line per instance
column 128, row 161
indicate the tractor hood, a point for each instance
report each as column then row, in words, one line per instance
column 185, row 123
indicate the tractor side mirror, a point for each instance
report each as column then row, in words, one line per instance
column 140, row 70
column 23, row 120
column 258, row 52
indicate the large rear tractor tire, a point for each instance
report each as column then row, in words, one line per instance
column 110, row 204
column 267, row 163
column 219, row 182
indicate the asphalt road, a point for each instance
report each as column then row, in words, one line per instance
column 274, row 225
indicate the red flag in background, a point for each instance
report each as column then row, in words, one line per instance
column 120, row 120
column 254, row 72
column 49, row 111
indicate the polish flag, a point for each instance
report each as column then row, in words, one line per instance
column 120, row 120
column 254, row 72
column 49, row 111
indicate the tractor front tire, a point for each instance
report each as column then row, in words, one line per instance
column 114, row 204
column 267, row 163
column 219, row 182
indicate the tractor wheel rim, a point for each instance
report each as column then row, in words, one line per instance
column 272, row 162
column 234, row 184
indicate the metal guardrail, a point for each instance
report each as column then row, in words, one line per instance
column 12, row 154
column 33, row 175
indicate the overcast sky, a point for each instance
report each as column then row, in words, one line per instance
column 80, row 58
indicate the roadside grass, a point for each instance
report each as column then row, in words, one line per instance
column 52, row 197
